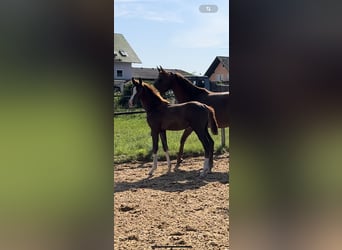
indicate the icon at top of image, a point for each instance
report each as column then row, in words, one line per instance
column 208, row 8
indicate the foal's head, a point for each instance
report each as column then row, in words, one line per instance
column 136, row 92
column 148, row 95
column 164, row 81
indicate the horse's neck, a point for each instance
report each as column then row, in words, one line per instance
column 185, row 91
column 151, row 102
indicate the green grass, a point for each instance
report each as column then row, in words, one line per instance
column 132, row 140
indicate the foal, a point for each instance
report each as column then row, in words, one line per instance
column 162, row 116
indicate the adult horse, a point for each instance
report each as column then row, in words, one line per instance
column 185, row 91
column 162, row 116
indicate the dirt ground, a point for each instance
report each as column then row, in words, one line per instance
column 175, row 209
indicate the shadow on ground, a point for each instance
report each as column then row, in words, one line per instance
column 173, row 182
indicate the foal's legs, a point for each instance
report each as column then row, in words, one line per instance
column 185, row 135
column 166, row 149
column 155, row 150
column 202, row 136
column 211, row 150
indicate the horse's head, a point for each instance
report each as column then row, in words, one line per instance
column 136, row 92
column 148, row 95
column 164, row 81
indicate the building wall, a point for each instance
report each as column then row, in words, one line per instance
column 220, row 74
column 123, row 67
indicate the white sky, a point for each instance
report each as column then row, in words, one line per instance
column 174, row 33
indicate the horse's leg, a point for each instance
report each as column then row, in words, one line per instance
column 166, row 149
column 211, row 151
column 206, row 145
column 155, row 150
column 185, row 135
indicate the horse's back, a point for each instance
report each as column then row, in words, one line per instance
column 179, row 116
column 193, row 113
column 189, row 106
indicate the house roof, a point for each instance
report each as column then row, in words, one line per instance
column 152, row 73
column 123, row 52
column 219, row 59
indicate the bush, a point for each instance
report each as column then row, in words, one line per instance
column 123, row 102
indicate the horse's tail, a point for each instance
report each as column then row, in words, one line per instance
column 212, row 120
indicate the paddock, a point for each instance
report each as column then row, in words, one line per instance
column 177, row 209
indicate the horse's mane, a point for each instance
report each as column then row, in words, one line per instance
column 155, row 92
column 188, row 85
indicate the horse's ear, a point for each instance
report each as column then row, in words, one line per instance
column 158, row 69
column 161, row 69
column 140, row 81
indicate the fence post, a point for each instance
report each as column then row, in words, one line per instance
column 223, row 137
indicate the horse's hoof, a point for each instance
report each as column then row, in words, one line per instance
column 202, row 175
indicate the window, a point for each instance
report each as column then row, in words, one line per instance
column 219, row 77
column 123, row 53
column 119, row 73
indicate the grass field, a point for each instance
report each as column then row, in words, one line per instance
column 132, row 140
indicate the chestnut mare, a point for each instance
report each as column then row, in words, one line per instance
column 185, row 91
column 162, row 116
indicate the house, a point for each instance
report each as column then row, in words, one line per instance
column 124, row 56
column 218, row 74
column 218, row 71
